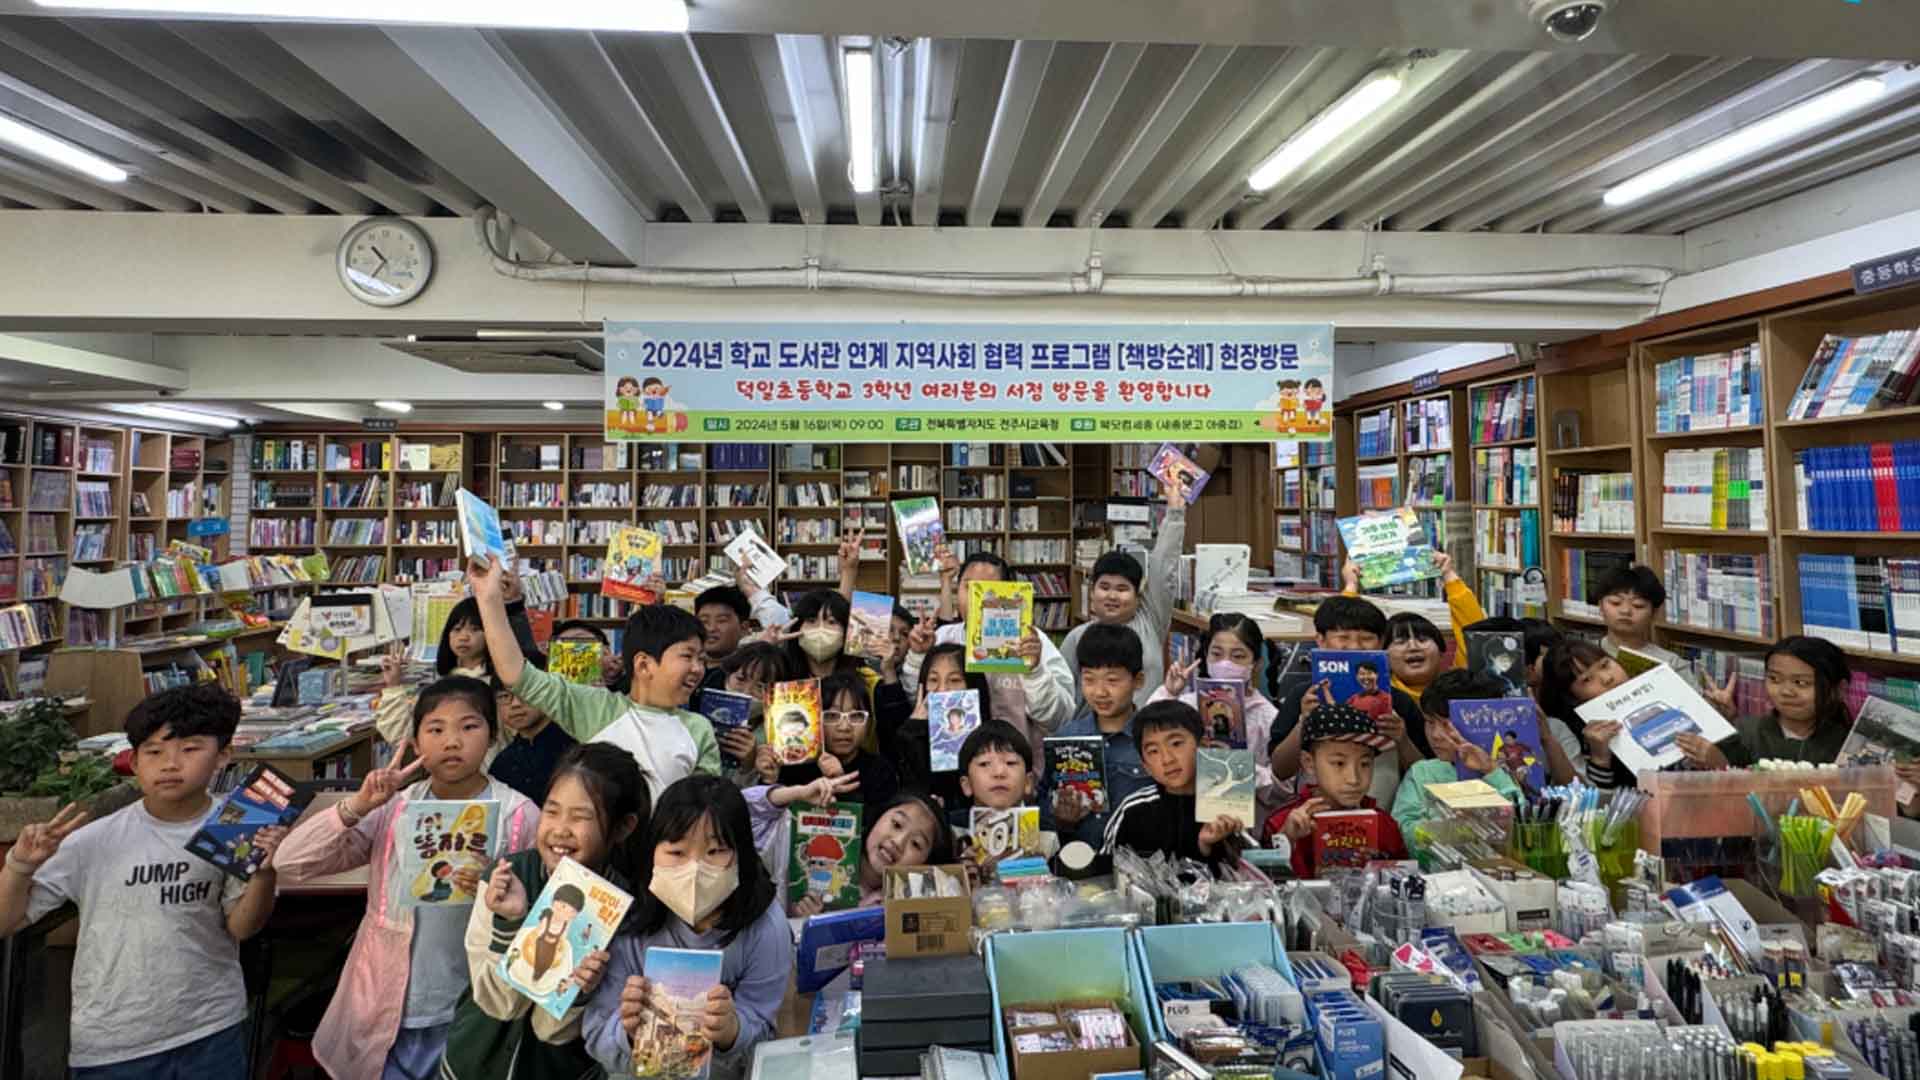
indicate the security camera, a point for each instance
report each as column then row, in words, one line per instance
column 1568, row 20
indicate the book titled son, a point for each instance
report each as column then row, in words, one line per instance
column 266, row 798
column 576, row 913
column 670, row 1043
column 1653, row 711
column 434, row 839
column 999, row 614
column 1359, row 678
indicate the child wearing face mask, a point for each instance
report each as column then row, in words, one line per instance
column 817, row 637
column 706, row 889
column 1232, row 651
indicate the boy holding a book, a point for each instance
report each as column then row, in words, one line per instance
column 1450, row 747
column 1630, row 600
column 1161, row 819
column 1340, row 744
column 1121, row 593
column 1349, row 623
column 1111, row 672
column 996, row 773
column 1036, row 701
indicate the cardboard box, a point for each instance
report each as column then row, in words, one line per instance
column 930, row 926
column 1532, row 898
column 1072, row 1064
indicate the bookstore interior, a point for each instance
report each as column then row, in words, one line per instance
column 803, row 540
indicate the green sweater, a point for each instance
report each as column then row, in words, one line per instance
column 593, row 714
column 1410, row 802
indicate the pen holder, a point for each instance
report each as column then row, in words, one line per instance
column 1615, row 856
column 1541, row 848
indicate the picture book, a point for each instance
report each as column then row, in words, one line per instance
column 670, row 1043
column 1223, row 783
column 576, row 913
column 1390, row 548
column 633, row 555
column 921, row 533
column 762, row 563
column 433, row 838
column 1357, row 678
column 480, row 532
column 1223, row 712
column 267, row 797
column 826, row 855
column 999, row 615
column 576, row 661
column 1346, row 839
column 870, row 626
column 1883, row 733
column 1508, row 729
column 1002, row 834
column 951, row 717
column 1501, row 654
column 1178, row 471
column 793, row 721
column 1654, row 710
column 1634, row 663
column 1078, row 764
column 726, row 711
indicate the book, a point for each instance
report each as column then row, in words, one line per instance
column 576, row 913
column 726, row 711
column 762, row 563
column 1223, row 712
column 1653, row 710
column 576, row 661
column 793, row 721
column 1360, row 678
column 826, row 855
column 994, row 835
column 1078, row 764
column 921, row 533
column 480, row 532
column 1883, row 733
column 870, row 626
column 1508, row 729
column 1501, row 655
column 951, row 717
column 633, row 555
column 1178, row 471
column 1223, row 784
column 999, row 616
column 433, row 838
column 1346, row 839
column 827, row 944
column 670, row 1043
column 1390, row 548
column 1634, row 663
column 266, row 798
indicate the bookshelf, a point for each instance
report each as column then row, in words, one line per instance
column 1591, row 451
column 1505, row 497
column 1326, row 496
column 1434, row 444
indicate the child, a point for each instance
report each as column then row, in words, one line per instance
column 462, row 651
column 653, row 396
column 945, row 671
column 1538, row 637
column 534, row 747
column 1340, row 744
column 1630, row 600
column 404, row 978
column 1160, row 819
column 652, row 722
column 626, row 398
column 1463, row 610
column 904, row 832
column 1449, row 747
column 1574, row 673
column 1349, row 622
column 707, row 889
column 1231, row 651
column 1111, row 671
column 1806, row 685
column 1116, row 597
column 1036, row 701
column 595, row 804
column 848, row 745
column 996, row 772
column 148, row 910
column 722, row 611
column 752, row 669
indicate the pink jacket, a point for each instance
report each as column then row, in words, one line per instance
column 363, row 1019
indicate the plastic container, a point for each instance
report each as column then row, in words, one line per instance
column 1064, row 965
column 1202, row 951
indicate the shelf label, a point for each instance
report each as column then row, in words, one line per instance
column 1887, row 272
column 1424, row 383
column 379, row 423
column 207, row 527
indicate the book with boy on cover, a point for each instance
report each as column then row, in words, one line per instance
column 1178, row 471
column 1002, row 834
column 480, row 532
column 999, row 615
column 576, row 661
column 1653, row 711
column 793, row 721
column 1359, row 678
column 1223, row 783
column 921, row 533
column 1501, row 654
column 433, row 839
column 1389, row 547
column 267, row 797
column 762, row 563
column 826, row 855
column 671, row 1043
column 1223, row 712
column 633, row 555
column 1346, row 839
column 1078, row 766
column 951, row 717
column 870, row 626
column 576, row 913
column 726, row 711
column 1508, row 729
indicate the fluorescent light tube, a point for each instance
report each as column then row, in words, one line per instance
column 1354, row 106
column 393, row 406
column 553, row 406
column 181, row 416
column 857, row 68
column 1748, row 140
column 657, row 16
column 59, row 151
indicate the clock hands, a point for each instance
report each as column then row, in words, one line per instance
column 382, row 258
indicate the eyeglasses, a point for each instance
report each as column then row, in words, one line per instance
column 835, row 718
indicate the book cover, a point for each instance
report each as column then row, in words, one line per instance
column 1502, row 655
column 267, row 797
column 1508, row 729
column 576, row 661
column 1390, row 548
column 726, row 711
column 1223, row 783
column 1346, row 839
column 1223, row 712
column 870, row 626
column 1634, row 663
column 1002, row 834
column 480, row 532
column 1178, row 471
column 670, row 1043
column 1883, row 733
column 826, row 855
column 793, row 721
column 576, row 913
column 1653, row 710
column 921, row 532
column 762, row 563
column 432, row 838
column 999, row 614
column 633, row 555
column 951, row 717
column 827, row 943
column 1078, row 764
column 1360, row 678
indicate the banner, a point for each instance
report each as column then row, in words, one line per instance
column 959, row 382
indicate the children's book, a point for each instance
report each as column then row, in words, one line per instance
column 432, row 838
column 1653, row 711
column 951, row 717
column 870, row 626
column 1390, row 548
column 267, row 797
column 1346, row 839
column 670, row 1044
column 576, row 913
column 793, row 721
column 1223, row 783
column 633, row 555
column 1078, row 764
column 1501, row 654
column 1883, row 733
column 826, row 855
column 921, row 533
column 763, row 564
column 1508, row 729
column 480, row 532
column 1178, row 471
column 1357, row 678
column 1003, row 834
column 576, row 661
column 1223, row 712
column 726, row 711
column 999, row 614
column 1634, row 663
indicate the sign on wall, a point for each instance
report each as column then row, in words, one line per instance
column 891, row 382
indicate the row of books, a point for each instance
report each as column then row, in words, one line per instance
column 43, row 533
column 1134, row 455
column 673, row 531
column 1867, row 487
column 1502, row 412
column 584, row 567
column 977, row 519
column 1135, row 485
column 590, row 457
column 1030, row 552
column 93, row 498
column 425, row 494
column 1290, row 532
column 1715, row 487
column 1323, row 489
column 1429, row 424
column 1026, row 519
column 674, row 495
column 8, row 546
column 1704, row 393
column 1430, row 480
column 1719, row 591
column 1506, row 541
column 860, row 484
column 1043, row 455
column 1323, row 534
column 359, row 454
column 961, row 485
column 361, row 531
column 285, row 455
column 1581, row 571
column 1862, row 601
column 48, row 491
column 530, row 494
column 99, row 455
column 814, row 568
column 368, row 494
column 1592, row 502
column 359, row 570
column 1052, row 615
column 436, row 531
column 40, row 578
column 183, row 457
column 91, row 541
column 606, row 495
column 1047, row 584
column 1289, row 490
column 916, row 477
column 740, row 456
column 802, row 457
column 52, row 446
column 1507, row 594
column 523, row 455
column 535, row 532
column 1507, row 476
column 283, row 494
column 1378, row 486
column 1852, row 375
column 724, row 530
column 737, row 496
column 1374, row 434
column 976, row 455
column 183, row 501
column 1748, row 669
column 23, row 626
column 807, row 531
column 809, row 495
column 417, row 568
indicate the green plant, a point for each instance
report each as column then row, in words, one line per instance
column 76, row 778
column 31, row 741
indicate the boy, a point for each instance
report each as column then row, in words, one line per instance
column 996, row 773
column 148, row 910
column 1630, row 599
column 723, row 611
column 1110, row 673
column 534, row 744
column 1349, row 622
column 1116, row 596
column 1339, row 744
column 652, row 722
column 1036, row 701
column 1160, row 819
column 1436, row 706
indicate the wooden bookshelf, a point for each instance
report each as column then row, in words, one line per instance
column 1503, row 420
column 1446, row 515
column 1585, row 429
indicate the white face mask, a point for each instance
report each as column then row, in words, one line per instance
column 694, row 889
column 823, row 643
column 1228, row 670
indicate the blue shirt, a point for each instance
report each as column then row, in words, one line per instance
column 526, row 765
column 1124, row 775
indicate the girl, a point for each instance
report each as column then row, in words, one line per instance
column 903, row 832
column 596, row 803
column 849, row 746
column 1574, row 673
column 751, row 669
column 1806, row 684
column 817, row 637
column 463, row 651
column 1463, row 608
column 707, row 889
column 945, row 670
column 1233, row 651
column 404, row 978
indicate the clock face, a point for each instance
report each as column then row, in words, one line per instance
column 385, row 261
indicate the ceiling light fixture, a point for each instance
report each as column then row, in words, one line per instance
column 856, row 67
column 553, row 406
column 182, row 416
column 1748, row 140
column 59, row 151
column 655, row 16
column 1355, row 105
column 393, row 406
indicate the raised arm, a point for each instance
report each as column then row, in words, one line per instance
column 488, row 579
column 1163, row 567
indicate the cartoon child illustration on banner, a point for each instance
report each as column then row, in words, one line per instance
column 642, row 405
column 1313, row 398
